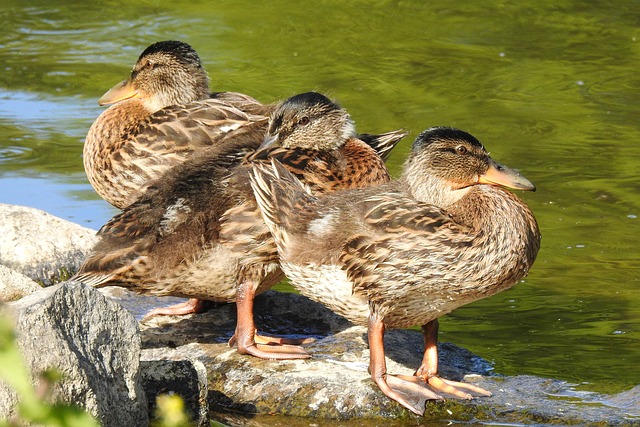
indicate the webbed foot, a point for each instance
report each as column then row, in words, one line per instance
column 192, row 305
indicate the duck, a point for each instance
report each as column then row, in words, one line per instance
column 447, row 232
column 197, row 232
column 159, row 116
column 162, row 114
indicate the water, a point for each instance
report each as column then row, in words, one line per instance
column 551, row 88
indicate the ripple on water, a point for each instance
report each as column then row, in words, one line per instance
column 13, row 154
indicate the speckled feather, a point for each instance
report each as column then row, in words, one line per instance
column 171, row 116
column 122, row 170
column 382, row 250
column 197, row 232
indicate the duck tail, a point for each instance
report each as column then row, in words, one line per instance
column 109, row 268
column 385, row 142
column 281, row 197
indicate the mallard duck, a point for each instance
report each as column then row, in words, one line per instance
column 161, row 115
column 197, row 232
column 407, row 252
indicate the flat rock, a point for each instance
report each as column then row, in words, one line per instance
column 92, row 341
column 334, row 383
column 43, row 247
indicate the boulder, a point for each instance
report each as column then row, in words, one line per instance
column 92, row 341
column 43, row 247
column 14, row 285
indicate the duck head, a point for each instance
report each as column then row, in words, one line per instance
column 166, row 73
column 309, row 120
column 446, row 162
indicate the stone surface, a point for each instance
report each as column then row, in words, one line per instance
column 41, row 246
column 93, row 342
column 164, row 374
column 14, row 285
column 334, row 384
column 93, row 338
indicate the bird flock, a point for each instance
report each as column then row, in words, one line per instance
column 222, row 196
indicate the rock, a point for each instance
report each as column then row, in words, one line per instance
column 14, row 285
column 41, row 246
column 97, row 346
column 93, row 342
column 334, row 384
column 167, row 374
column 628, row 401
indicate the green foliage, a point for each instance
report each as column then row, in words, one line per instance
column 170, row 412
column 32, row 403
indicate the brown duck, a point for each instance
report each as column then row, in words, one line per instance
column 162, row 114
column 407, row 252
column 198, row 233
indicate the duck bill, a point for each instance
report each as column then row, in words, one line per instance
column 120, row 92
column 269, row 142
column 502, row 176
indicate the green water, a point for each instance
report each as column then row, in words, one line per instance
column 551, row 88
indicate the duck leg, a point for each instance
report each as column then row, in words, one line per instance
column 192, row 305
column 428, row 370
column 410, row 392
column 245, row 336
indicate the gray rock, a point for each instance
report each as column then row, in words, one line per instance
column 334, row 384
column 628, row 401
column 92, row 341
column 14, row 285
column 167, row 373
column 41, row 246
column 97, row 344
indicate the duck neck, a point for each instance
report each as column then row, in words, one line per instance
column 492, row 210
column 432, row 190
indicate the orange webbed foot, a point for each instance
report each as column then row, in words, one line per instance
column 428, row 370
column 456, row 389
column 266, row 347
column 247, row 339
column 271, row 340
column 410, row 392
column 190, row 306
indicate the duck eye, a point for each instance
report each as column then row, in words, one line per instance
column 461, row 149
column 304, row 121
column 148, row 64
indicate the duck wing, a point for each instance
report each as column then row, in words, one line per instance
column 402, row 241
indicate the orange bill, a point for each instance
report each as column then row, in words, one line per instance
column 500, row 175
column 120, row 92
